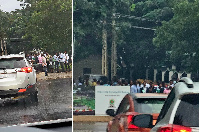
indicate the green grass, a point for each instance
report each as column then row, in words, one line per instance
column 90, row 103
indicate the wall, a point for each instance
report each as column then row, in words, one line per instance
column 93, row 62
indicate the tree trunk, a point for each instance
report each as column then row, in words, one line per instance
column 114, row 51
column 104, row 51
column 5, row 47
column 2, row 51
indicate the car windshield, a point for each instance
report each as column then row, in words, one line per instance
column 148, row 105
column 187, row 113
column 11, row 63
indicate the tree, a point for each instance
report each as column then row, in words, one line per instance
column 50, row 25
column 4, row 28
column 180, row 35
column 43, row 24
column 89, row 16
column 137, row 29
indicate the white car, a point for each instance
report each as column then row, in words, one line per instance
column 180, row 112
column 17, row 76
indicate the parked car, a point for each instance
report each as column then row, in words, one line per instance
column 131, row 106
column 180, row 112
column 17, row 76
column 98, row 77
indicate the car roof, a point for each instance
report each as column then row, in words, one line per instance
column 148, row 95
column 181, row 88
column 12, row 56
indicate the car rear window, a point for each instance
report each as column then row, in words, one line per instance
column 11, row 63
column 148, row 105
column 187, row 113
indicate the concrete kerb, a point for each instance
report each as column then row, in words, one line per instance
column 91, row 118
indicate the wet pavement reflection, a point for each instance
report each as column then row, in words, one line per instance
column 54, row 101
column 89, row 126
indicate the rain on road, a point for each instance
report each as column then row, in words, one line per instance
column 54, row 101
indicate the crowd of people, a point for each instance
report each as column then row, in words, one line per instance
column 45, row 62
column 151, row 87
column 136, row 86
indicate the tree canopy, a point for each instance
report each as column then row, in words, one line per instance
column 180, row 35
column 43, row 24
column 150, row 34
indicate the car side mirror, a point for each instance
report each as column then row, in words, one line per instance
column 110, row 112
column 143, row 121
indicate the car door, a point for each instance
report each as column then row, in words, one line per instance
column 121, row 111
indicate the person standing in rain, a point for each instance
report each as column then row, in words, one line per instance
column 44, row 64
column 40, row 62
column 62, row 60
column 67, row 61
column 55, row 57
column 133, row 87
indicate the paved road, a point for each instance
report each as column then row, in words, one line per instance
column 54, row 102
column 89, row 126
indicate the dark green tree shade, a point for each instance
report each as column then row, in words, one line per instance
column 43, row 24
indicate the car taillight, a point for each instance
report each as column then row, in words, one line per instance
column 26, row 69
column 22, row 90
column 129, row 120
column 174, row 128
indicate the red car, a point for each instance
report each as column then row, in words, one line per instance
column 132, row 105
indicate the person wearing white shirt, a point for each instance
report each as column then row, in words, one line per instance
column 62, row 60
column 56, row 59
column 67, row 61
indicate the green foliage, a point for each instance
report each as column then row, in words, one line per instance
column 89, row 16
column 180, row 35
column 50, row 25
column 44, row 24
column 132, row 7
column 4, row 26
column 175, row 40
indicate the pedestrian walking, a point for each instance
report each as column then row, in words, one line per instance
column 44, row 65
column 62, row 60
column 139, row 88
column 51, row 64
column 47, row 59
column 67, row 67
column 56, row 58
column 167, row 90
column 133, row 87
column 40, row 62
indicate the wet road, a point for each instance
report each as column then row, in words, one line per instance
column 54, row 102
column 89, row 126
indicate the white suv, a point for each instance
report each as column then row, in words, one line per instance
column 180, row 112
column 17, row 76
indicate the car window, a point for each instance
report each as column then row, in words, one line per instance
column 166, row 105
column 148, row 105
column 187, row 113
column 11, row 63
column 123, row 107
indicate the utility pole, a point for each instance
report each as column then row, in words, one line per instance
column 113, row 51
column 104, row 51
column 2, row 50
column 5, row 46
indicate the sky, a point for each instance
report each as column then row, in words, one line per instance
column 9, row 5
